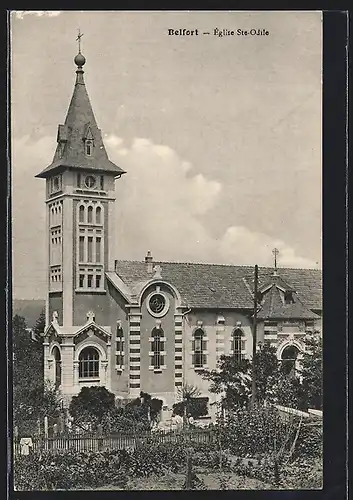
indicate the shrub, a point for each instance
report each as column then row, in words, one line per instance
column 156, row 458
column 309, row 443
column 67, row 470
column 252, row 433
column 74, row 470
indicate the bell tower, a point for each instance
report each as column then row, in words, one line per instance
column 80, row 198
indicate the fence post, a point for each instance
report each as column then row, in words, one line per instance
column 46, row 434
column 100, row 437
column 46, row 427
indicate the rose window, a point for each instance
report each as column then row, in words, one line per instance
column 157, row 303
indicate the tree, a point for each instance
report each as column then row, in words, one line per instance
column 33, row 397
column 27, row 355
column 39, row 328
column 92, row 407
column 191, row 405
column 267, row 373
column 95, row 406
column 233, row 377
column 288, row 391
column 311, row 371
column 152, row 406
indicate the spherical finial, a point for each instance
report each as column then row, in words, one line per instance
column 80, row 60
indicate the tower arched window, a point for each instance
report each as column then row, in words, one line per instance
column 90, row 215
column 81, row 212
column 237, row 344
column 199, row 357
column 98, row 215
column 57, row 366
column 157, row 348
column 288, row 359
column 89, row 363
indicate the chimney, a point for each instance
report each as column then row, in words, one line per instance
column 149, row 262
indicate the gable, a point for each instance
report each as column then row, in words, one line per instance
column 52, row 333
column 90, row 330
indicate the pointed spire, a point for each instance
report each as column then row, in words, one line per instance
column 80, row 127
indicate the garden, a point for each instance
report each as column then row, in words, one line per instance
column 253, row 450
column 247, row 447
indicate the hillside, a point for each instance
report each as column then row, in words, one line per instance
column 29, row 309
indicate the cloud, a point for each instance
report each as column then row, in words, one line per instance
column 28, row 214
column 162, row 205
column 39, row 13
column 239, row 245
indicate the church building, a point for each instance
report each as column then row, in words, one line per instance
column 146, row 325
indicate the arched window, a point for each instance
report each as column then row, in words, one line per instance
column 90, row 215
column 157, row 348
column 237, row 342
column 288, row 359
column 98, row 215
column 89, row 363
column 57, row 366
column 199, row 348
column 81, row 216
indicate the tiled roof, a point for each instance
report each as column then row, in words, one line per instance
column 79, row 119
column 274, row 308
column 221, row 286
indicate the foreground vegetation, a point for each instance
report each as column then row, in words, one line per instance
column 153, row 465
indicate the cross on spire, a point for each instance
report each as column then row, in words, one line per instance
column 275, row 252
column 78, row 39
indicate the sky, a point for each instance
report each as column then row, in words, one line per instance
column 220, row 136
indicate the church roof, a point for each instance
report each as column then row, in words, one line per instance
column 221, row 286
column 80, row 124
column 274, row 308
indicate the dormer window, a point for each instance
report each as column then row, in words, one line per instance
column 89, row 147
column 288, row 297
